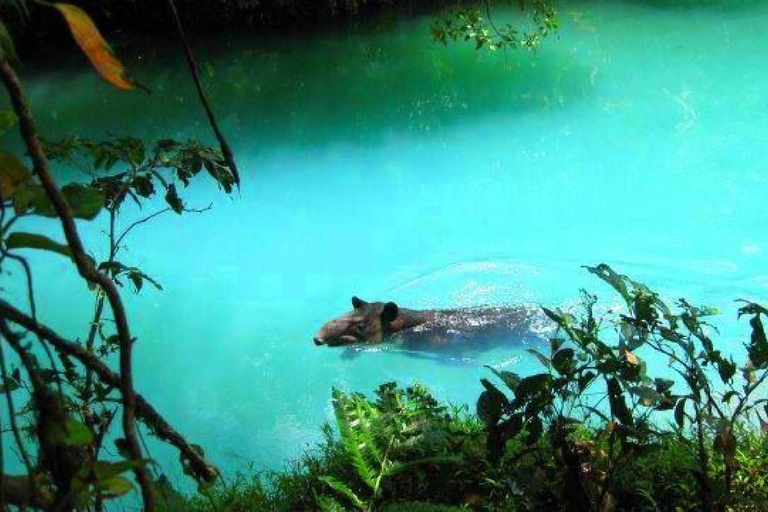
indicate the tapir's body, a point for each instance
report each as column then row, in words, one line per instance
column 375, row 322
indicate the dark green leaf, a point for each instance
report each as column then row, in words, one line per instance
column 173, row 199
column 10, row 384
column 758, row 346
column 544, row 360
column 616, row 400
column 509, row 378
column 534, row 428
column 680, row 412
column 488, row 408
column 563, row 361
column 85, row 201
column 663, row 385
column 71, row 433
column 22, row 240
column 648, row 396
column 498, row 395
column 342, row 488
column 617, row 281
column 531, row 386
column 7, row 120
column 114, row 487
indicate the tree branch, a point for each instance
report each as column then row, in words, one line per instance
column 160, row 427
column 17, row 492
column 225, row 149
column 84, row 267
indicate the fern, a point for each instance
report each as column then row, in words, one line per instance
column 384, row 439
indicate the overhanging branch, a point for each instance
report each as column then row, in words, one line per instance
column 144, row 410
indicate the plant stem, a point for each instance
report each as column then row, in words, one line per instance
column 29, row 134
column 160, row 427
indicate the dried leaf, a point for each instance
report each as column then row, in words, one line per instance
column 95, row 47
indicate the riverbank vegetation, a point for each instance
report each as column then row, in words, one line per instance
column 600, row 428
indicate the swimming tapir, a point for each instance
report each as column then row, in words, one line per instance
column 374, row 322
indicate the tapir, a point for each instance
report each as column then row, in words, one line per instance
column 376, row 322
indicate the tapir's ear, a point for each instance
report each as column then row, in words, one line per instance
column 357, row 302
column 389, row 313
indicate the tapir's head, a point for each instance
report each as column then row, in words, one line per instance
column 368, row 322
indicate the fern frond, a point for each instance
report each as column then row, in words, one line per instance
column 342, row 488
column 353, row 436
column 328, row 504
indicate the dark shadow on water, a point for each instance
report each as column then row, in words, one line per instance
column 345, row 88
column 458, row 351
column 715, row 5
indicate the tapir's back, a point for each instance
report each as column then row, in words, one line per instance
column 467, row 325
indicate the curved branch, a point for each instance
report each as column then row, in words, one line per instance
column 144, row 410
column 84, row 267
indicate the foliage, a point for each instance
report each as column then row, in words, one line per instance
column 475, row 25
column 71, row 398
column 595, row 431
column 118, row 170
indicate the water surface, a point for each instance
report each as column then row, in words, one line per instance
column 376, row 163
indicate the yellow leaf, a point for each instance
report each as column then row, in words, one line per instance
column 12, row 174
column 95, row 47
column 631, row 358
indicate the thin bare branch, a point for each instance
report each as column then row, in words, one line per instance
column 225, row 149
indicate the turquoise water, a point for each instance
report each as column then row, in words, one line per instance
column 376, row 163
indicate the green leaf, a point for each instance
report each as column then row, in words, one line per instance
column 173, row 199
column 563, row 361
column 114, row 487
column 663, row 385
column 105, row 470
column 493, row 390
column 680, row 412
column 555, row 344
column 616, row 400
column 328, row 504
column 489, row 408
column 70, row 433
column 648, row 396
column 509, row 378
column 85, row 201
column 22, row 240
column 9, row 384
column 544, row 360
column 342, row 488
column 532, row 385
column 617, row 281
column 585, row 379
column 758, row 346
column 7, row 120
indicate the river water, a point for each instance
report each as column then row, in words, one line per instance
column 379, row 164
